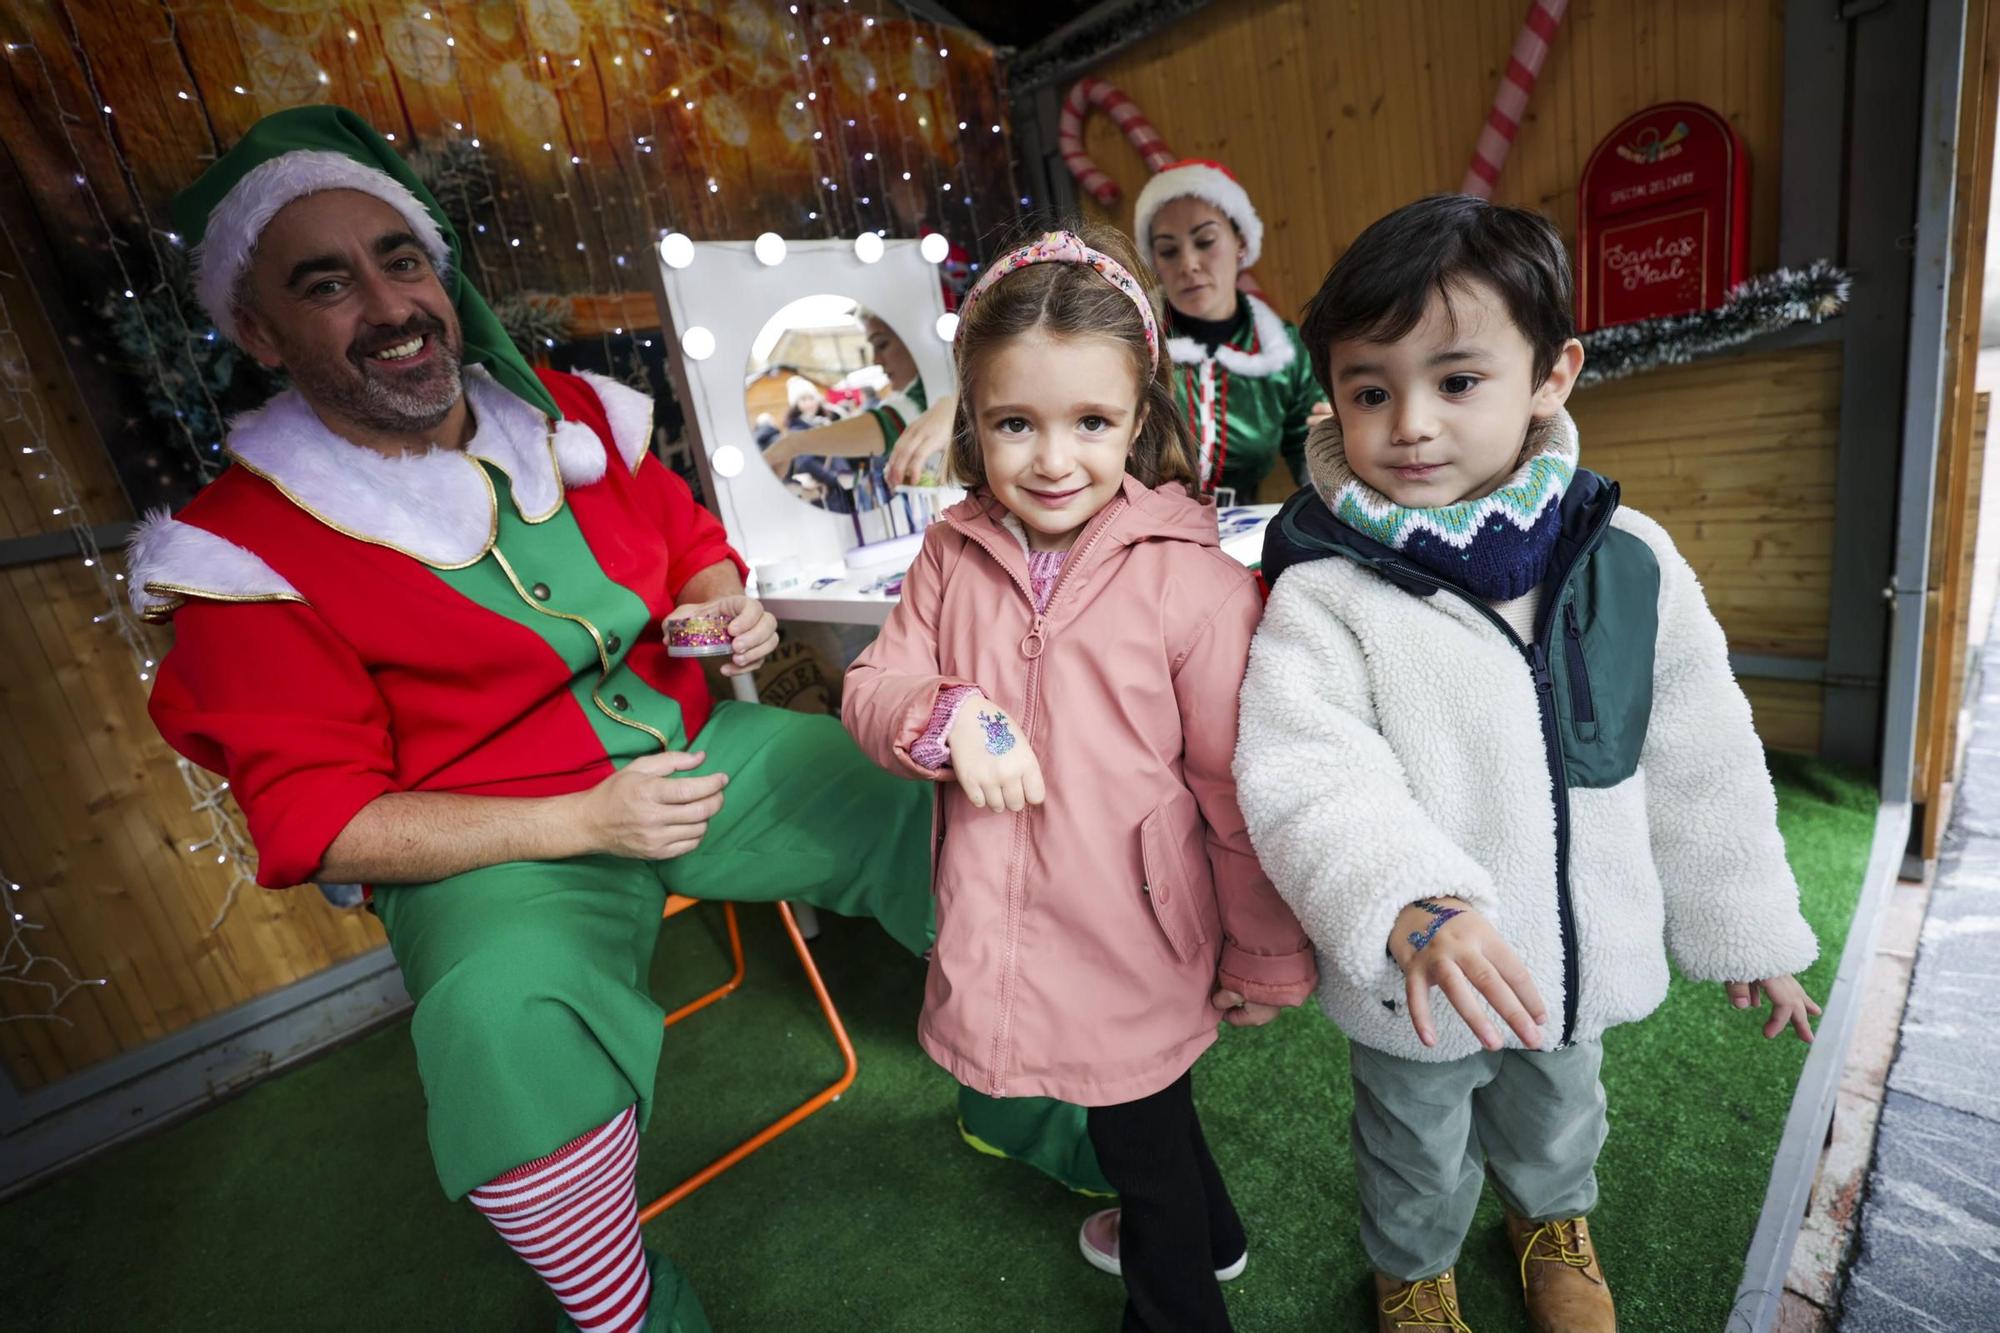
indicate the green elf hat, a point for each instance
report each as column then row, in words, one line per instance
column 289, row 154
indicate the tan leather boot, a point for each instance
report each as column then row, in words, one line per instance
column 1560, row 1276
column 1426, row 1306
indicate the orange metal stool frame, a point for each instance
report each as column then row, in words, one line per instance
column 676, row 904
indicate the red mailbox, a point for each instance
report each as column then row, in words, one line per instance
column 1663, row 217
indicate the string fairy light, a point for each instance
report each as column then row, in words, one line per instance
column 21, row 964
column 205, row 465
column 691, row 144
column 23, row 420
column 206, row 793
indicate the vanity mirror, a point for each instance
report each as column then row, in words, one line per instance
column 800, row 362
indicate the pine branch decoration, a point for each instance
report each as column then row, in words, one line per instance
column 170, row 348
column 535, row 320
column 456, row 174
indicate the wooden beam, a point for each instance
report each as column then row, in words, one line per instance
column 1880, row 207
column 1948, row 592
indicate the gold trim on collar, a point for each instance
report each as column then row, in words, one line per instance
column 492, row 509
column 173, row 596
column 492, row 501
column 514, row 486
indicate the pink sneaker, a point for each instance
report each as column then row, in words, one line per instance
column 1098, row 1239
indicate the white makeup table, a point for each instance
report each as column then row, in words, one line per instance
column 837, row 596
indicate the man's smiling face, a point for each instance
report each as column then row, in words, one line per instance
column 344, row 297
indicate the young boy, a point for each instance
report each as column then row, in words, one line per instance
column 1490, row 744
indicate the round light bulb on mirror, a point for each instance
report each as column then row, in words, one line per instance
column 770, row 248
column 698, row 343
column 727, row 461
column 947, row 326
column 676, row 250
column 934, row 247
column 868, row 247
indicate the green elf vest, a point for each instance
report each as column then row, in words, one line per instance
column 1247, row 402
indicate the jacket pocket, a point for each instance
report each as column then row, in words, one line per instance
column 1582, row 707
column 1173, row 887
column 1610, row 622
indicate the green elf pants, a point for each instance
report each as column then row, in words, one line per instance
column 533, row 1022
column 1048, row 1135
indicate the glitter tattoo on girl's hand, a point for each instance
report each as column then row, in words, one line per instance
column 999, row 736
column 1439, row 915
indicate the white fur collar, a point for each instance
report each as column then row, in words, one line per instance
column 1274, row 347
column 170, row 561
column 437, row 507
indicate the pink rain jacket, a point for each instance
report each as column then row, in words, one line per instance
column 1079, row 941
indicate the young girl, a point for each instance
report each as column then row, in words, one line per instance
column 1067, row 652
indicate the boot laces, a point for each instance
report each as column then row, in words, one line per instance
column 1559, row 1243
column 1428, row 1305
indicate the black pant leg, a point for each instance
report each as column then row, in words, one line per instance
column 1226, row 1238
column 1146, row 1149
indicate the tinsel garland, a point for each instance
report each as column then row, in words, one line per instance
column 1759, row 305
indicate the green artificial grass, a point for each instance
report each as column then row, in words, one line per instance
column 309, row 1202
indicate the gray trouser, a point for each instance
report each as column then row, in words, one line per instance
column 1423, row 1133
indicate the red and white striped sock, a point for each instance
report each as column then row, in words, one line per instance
column 574, row 1217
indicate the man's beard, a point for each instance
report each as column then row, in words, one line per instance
column 346, row 387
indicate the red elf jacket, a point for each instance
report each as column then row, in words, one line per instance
column 483, row 622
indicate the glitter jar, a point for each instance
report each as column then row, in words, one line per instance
column 698, row 636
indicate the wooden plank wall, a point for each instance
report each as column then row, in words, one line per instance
column 1333, row 112
column 1955, row 519
column 95, row 822
column 1736, row 458
column 94, row 818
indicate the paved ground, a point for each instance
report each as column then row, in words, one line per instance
column 1929, row 1254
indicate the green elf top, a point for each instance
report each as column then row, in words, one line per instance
column 1240, row 372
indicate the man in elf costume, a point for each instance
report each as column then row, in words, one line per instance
column 418, row 628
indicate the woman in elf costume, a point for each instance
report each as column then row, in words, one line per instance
column 1240, row 372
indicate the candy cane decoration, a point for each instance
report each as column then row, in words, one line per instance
column 1139, row 132
column 1503, row 122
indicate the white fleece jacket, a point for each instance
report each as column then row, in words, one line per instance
column 1390, row 749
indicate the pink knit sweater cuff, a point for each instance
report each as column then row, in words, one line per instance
column 930, row 751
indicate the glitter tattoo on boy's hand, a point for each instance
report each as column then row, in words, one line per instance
column 999, row 736
column 1439, row 915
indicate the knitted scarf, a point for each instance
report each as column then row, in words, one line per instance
column 1497, row 547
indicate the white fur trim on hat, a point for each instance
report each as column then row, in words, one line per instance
column 1209, row 182
column 630, row 414
column 230, row 239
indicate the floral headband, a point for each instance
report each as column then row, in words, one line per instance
column 1066, row 247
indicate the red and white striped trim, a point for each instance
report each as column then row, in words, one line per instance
column 1125, row 113
column 1510, row 102
column 574, row 1218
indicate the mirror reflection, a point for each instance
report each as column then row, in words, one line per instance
column 829, row 389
